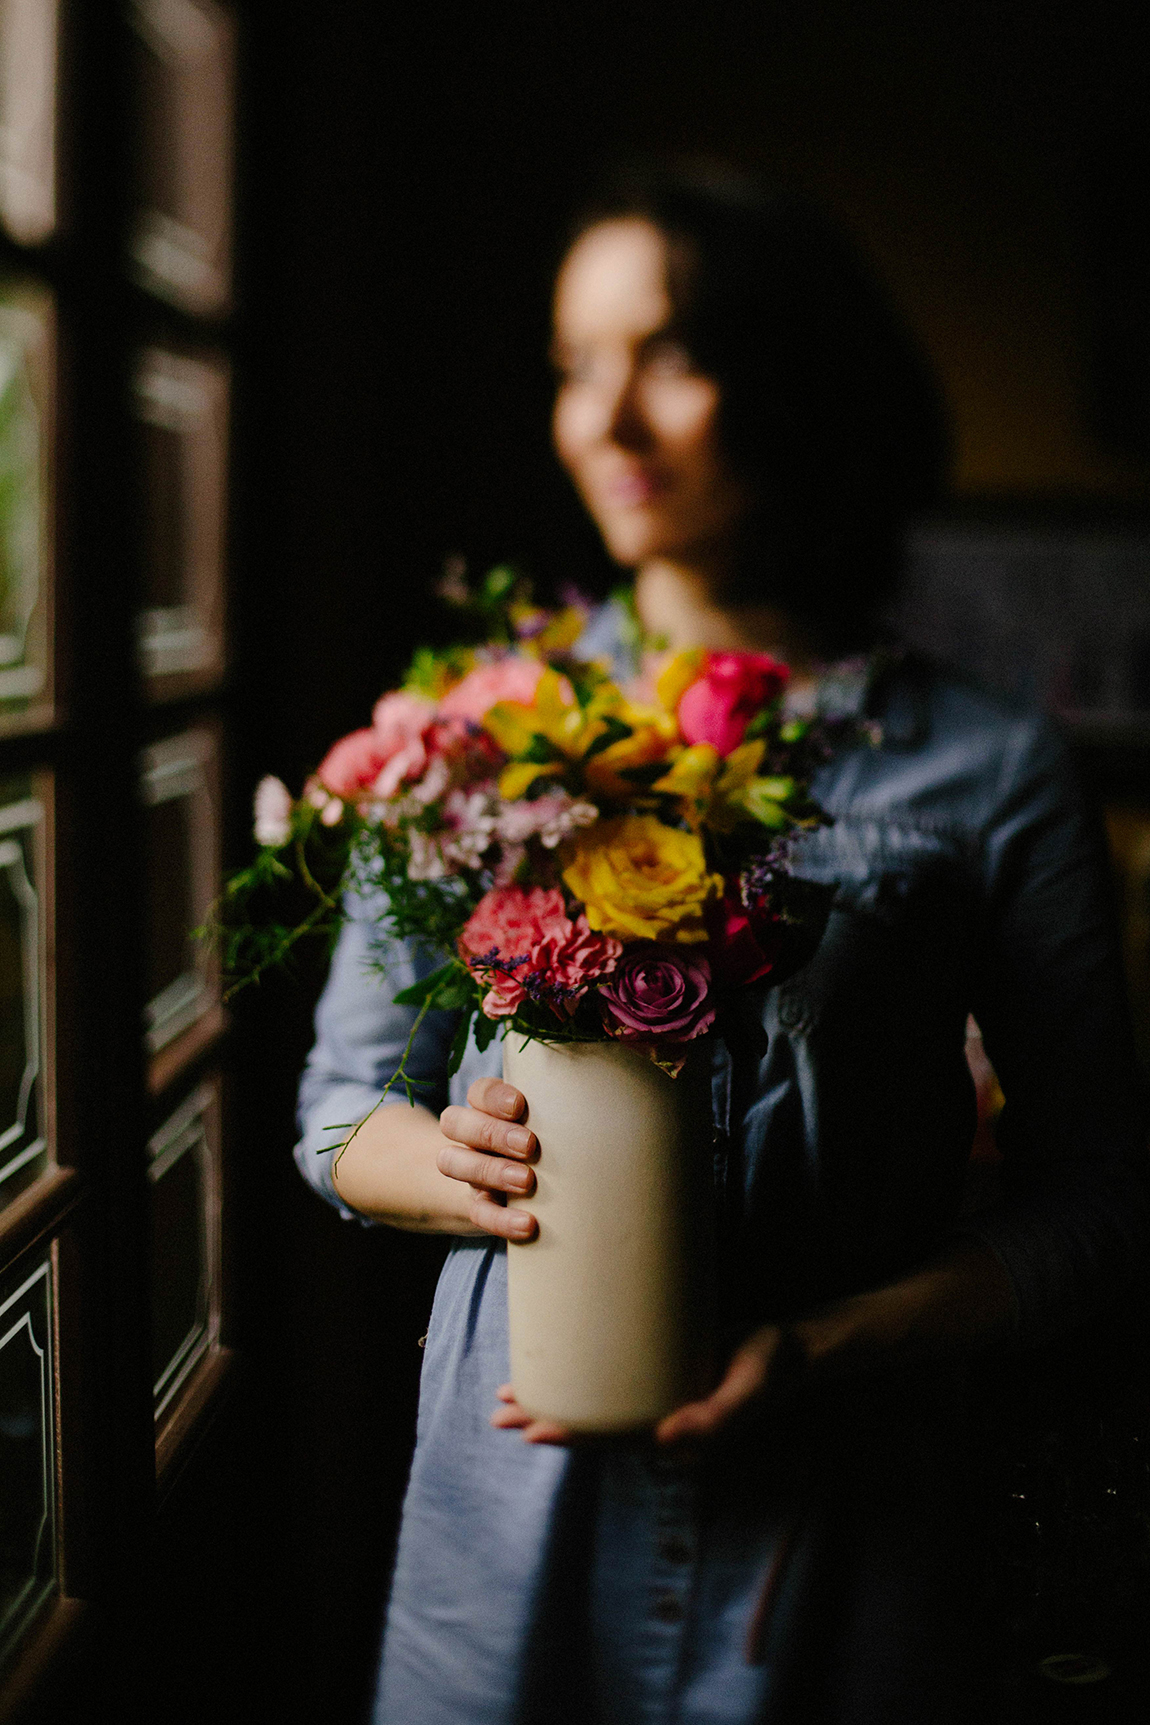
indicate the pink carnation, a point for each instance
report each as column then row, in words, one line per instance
column 526, row 947
column 719, row 705
column 510, row 679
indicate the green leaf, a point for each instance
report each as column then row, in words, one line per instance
column 644, row 775
column 486, row 1030
column 456, row 994
column 614, row 732
column 763, row 809
column 498, row 583
column 460, row 1041
column 427, row 985
column 539, row 751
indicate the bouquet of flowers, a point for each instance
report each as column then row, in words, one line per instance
column 592, row 858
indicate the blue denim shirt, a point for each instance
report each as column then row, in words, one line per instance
column 970, row 878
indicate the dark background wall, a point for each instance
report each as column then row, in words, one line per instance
column 403, row 175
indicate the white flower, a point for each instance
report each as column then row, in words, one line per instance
column 432, row 784
column 425, row 861
column 272, row 812
column 552, row 817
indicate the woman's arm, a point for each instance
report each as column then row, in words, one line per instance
column 396, row 1167
column 451, row 1175
column 964, row 1299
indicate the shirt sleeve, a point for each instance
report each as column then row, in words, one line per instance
column 1054, row 1015
column 360, row 1038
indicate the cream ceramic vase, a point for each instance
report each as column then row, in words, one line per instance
column 609, row 1305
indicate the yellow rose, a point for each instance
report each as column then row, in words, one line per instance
column 641, row 880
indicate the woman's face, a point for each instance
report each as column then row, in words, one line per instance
column 635, row 424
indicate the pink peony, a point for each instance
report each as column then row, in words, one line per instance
column 352, row 765
column 379, row 759
column 526, row 947
column 659, row 992
column 510, row 679
column 719, row 705
column 399, row 717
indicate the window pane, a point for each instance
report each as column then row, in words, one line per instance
column 181, row 247
column 185, row 1244
column 26, row 372
column 23, row 1150
column 178, row 783
column 27, row 1470
column 182, row 406
column 28, row 118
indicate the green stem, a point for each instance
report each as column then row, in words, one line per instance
column 309, row 879
column 399, row 1073
column 284, row 947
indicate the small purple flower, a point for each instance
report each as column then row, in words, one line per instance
column 658, row 991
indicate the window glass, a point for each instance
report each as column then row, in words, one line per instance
column 28, row 118
column 25, row 512
column 181, row 247
column 178, row 786
column 182, row 407
column 27, row 1471
column 185, row 1247
column 23, row 1149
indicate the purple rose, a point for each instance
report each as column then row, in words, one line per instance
column 658, row 990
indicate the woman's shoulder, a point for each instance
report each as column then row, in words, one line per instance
column 945, row 747
column 917, row 701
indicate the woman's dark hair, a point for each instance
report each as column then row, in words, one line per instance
column 829, row 410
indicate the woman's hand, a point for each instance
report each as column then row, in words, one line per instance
column 765, row 1366
column 961, row 1300
column 489, row 1151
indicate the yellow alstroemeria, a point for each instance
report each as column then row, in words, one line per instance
column 680, row 671
column 691, row 778
column 653, row 735
column 554, row 714
column 555, row 632
column 571, row 730
column 710, row 787
column 516, row 780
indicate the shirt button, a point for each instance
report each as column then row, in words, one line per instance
column 668, row 1609
column 674, row 1550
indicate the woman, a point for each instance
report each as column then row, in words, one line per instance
column 748, row 427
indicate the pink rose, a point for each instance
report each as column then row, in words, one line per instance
column 719, row 705
column 659, row 992
column 510, row 679
column 525, row 947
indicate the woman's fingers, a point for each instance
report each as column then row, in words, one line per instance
column 494, row 1218
column 496, row 1173
column 487, row 1150
column 745, row 1378
column 511, row 1417
column 492, row 1096
column 484, row 1131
